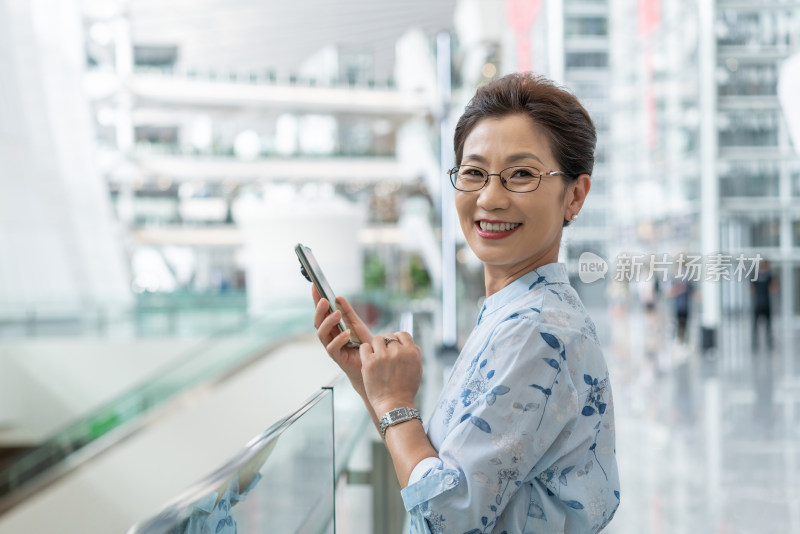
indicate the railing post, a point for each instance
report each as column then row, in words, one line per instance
column 388, row 512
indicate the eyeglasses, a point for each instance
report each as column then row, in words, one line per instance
column 469, row 178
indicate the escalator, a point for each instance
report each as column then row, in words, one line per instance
column 117, row 464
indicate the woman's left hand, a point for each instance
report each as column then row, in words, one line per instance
column 392, row 371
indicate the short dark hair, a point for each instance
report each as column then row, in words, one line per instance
column 563, row 120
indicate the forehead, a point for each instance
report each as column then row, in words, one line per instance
column 511, row 134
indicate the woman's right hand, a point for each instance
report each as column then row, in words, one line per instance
column 348, row 358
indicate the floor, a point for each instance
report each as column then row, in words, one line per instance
column 707, row 442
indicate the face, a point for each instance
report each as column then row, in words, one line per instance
column 529, row 234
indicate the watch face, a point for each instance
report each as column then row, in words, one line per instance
column 397, row 414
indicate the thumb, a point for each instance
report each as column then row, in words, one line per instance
column 352, row 318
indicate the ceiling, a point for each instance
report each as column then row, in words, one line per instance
column 281, row 34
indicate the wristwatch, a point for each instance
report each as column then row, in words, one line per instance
column 396, row 416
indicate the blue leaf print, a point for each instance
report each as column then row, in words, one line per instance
column 553, row 363
column 536, row 511
column 493, row 508
column 490, row 399
column 484, row 520
column 483, row 364
column 466, row 393
column 601, row 407
column 538, row 281
column 498, row 499
column 220, row 525
column 490, row 374
column 537, row 310
column 465, row 417
column 587, row 379
column 500, row 390
column 537, row 386
column 562, row 478
column 551, row 340
column 480, row 423
column 616, row 494
column 474, row 531
column 554, row 292
column 229, row 521
column 574, row 504
column 513, row 316
column 587, row 411
column 563, row 354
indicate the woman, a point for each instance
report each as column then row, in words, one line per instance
column 522, row 438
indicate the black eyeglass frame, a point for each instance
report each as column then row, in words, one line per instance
column 454, row 176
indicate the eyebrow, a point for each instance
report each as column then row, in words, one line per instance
column 513, row 157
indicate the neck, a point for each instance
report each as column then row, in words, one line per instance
column 498, row 277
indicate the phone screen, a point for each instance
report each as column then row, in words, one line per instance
column 314, row 273
column 325, row 287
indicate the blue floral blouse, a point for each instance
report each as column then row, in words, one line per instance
column 524, row 426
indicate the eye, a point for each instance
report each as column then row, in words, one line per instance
column 522, row 172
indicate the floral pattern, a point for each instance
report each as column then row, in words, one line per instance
column 530, row 385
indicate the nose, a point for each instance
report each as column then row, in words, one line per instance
column 493, row 195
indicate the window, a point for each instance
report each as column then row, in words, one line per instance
column 154, row 56
column 587, row 60
column 586, row 26
column 741, row 79
column 750, row 179
column 765, row 233
column 748, row 128
column 754, row 28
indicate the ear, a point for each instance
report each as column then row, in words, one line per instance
column 577, row 195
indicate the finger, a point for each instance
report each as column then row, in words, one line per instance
column 404, row 338
column 379, row 344
column 350, row 315
column 327, row 329
column 321, row 311
column 366, row 352
column 338, row 342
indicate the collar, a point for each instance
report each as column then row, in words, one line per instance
column 552, row 273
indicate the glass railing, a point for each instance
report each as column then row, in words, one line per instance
column 177, row 314
column 283, row 481
column 218, row 356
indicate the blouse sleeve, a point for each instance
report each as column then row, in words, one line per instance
column 520, row 412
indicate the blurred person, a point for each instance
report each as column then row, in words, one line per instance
column 681, row 292
column 522, row 437
column 761, row 289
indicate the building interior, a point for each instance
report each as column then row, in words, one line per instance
column 161, row 160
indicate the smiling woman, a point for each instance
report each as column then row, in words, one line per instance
column 522, row 438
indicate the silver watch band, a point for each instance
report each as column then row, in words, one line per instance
column 397, row 416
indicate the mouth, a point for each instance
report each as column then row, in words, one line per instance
column 495, row 229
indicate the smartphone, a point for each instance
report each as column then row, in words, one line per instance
column 313, row 273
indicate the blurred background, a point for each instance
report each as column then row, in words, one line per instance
column 159, row 160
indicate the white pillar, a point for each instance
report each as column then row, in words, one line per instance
column 449, row 326
column 555, row 48
column 709, row 181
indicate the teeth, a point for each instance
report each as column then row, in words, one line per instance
column 497, row 227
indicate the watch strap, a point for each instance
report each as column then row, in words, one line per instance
column 397, row 416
